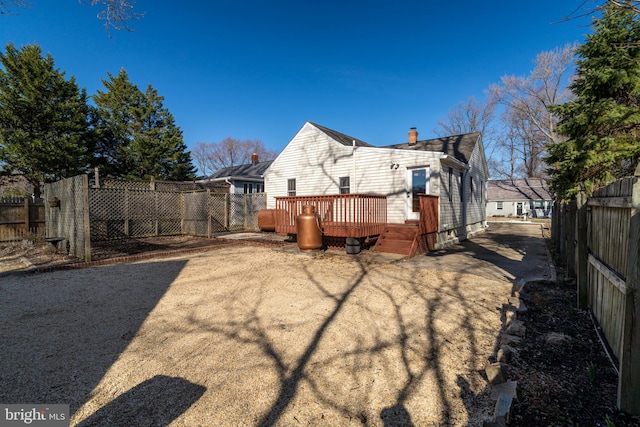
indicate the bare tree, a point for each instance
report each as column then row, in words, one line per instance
column 8, row 6
column 520, row 154
column 115, row 13
column 210, row 157
column 467, row 117
column 472, row 116
column 527, row 121
column 590, row 7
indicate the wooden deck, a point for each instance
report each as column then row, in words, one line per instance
column 341, row 215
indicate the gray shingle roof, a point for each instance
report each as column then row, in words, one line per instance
column 519, row 189
column 250, row 170
column 341, row 137
column 458, row 146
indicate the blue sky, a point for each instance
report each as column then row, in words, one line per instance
column 260, row 69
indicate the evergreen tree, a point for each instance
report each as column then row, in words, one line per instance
column 139, row 138
column 44, row 130
column 602, row 124
column 116, row 123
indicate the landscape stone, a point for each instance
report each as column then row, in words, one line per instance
column 517, row 328
column 505, row 354
column 510, row 316
column 517, row 304
column 510, row 388
column 507, row 339
column 557, row 339
column 503, row 408
column 500, row 423
column 522, row 295
column 496, row 373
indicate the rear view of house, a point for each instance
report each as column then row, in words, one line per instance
column 320, row 161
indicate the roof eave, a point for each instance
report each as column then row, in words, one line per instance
column 452, row 161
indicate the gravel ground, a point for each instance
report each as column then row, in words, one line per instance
column 246, row 335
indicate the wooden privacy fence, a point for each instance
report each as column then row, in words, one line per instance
column 122, row 211
column 599, row 239
column 21, row 218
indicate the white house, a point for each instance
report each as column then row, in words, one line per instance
column 321, row 161
column 513, row 198
column 243, row 179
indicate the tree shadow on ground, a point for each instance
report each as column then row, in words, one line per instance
column 62, row 331
column 503, row 252
column 155, row 402
column 408, row 351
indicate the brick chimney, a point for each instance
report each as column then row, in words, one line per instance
column 413, row 136
column 254, row 158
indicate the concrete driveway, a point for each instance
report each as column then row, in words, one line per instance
column 513, row 251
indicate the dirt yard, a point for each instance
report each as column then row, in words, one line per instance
column 247, row 335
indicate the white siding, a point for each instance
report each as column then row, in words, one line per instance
column 476, row 202
column 317, row 162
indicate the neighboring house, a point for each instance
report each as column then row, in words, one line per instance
column 243, row 179
column 15, row 185
column 321, row 161
column 514, row 198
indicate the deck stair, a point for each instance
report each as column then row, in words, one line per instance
column 403, row 239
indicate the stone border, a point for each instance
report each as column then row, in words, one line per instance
column 503, row 390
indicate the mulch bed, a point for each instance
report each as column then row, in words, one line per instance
column 569, row 382
column 128, row 247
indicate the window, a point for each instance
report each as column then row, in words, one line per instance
column 450, row 184
column 345, row 187
column 470, row 188
column 248, row 188
column 461, row 186
column 499, row 205
column 259, row 187
column 291, row 187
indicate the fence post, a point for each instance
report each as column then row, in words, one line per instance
column 127, row 213
column 26, row 217
column 554, row 224
column 207, row 204
column 245, row 211
column 629, row 377
column 86, row 218
column 581, row 250
column 562, row 249
column 570, row 228
column 227, row 206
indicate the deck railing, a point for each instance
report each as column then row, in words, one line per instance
column 341, row 215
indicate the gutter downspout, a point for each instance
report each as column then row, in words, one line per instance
column 355, row 184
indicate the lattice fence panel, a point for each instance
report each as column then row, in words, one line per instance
column 67, row 219
column 218, row 214
column 243, row 210
column 119, row 210
column 123, row 184
column 107, row 214
column 255, row 203
column 169, row 211
column 141, row 210
column 194, row 214
column 123, row 213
